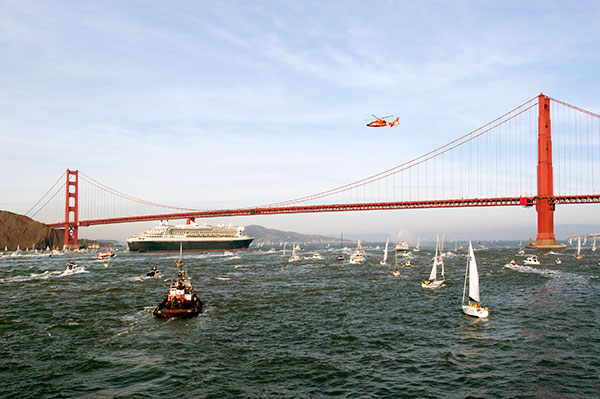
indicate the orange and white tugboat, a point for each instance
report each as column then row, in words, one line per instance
column 181, row 301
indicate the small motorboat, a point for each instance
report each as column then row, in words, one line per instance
column 531, row 261
column 512, row 263
column 357, row 258
column 71, row 266
column 317, row 255
column 104, row 255
column 181, row 301
column 407, row 264
column 153, row 272
column 557, row 261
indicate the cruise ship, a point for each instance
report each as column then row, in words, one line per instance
column 191, row 236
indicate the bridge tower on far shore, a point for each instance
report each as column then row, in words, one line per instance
column 544, row 205
column 71, row 209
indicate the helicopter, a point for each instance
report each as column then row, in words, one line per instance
column 380, row 122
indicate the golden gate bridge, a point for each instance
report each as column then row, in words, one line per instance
column 542, row 153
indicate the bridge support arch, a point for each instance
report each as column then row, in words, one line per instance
column 544, row 205
column 72, row 209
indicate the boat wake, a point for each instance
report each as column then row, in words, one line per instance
column 529, row 269
column 45, row 275
column 75, row 270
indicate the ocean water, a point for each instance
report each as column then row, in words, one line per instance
column 308, row 329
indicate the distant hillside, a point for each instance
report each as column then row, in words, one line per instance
column 27, row 233
column 262, row 234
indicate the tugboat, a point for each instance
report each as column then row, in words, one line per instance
column 181, row 302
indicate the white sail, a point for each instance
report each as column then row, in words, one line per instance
column 442, row 263
column 473, row 276
column 433, row 274
column 385, row 252
column 578, row 246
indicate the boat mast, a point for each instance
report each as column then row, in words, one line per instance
column 466, row 271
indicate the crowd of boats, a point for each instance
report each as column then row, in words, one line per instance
column 182, row 302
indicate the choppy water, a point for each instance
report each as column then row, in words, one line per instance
column 313, row 328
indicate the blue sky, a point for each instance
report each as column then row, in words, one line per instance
column 223, row 104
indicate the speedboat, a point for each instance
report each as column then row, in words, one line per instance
column 71, row 267
column 181, row 302
column 531, row 261
column 105, row 255
column 558, row 261
column 153, row 272
column 407, row 264
column 317, row 255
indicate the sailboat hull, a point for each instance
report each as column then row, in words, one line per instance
column 433, row 284
column 475, row 312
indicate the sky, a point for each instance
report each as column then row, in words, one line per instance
column 232, row 103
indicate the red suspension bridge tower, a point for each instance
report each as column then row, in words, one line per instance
column 544, row 204
column 72, row 209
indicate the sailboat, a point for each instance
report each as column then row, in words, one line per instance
column 385, row 253
column 396, row 272
column 579, row 255
column 433, row 282
column 283, row 254
column 341, row 254
column 594, row 245
column 294, row 257
column 417, row 248
column 472, row 308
